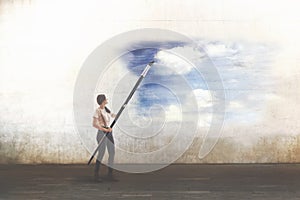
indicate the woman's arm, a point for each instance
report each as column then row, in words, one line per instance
column 95, row 123
column 99, row 127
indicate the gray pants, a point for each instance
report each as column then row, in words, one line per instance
column 107, row 142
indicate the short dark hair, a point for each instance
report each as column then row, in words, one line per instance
column 100, row 98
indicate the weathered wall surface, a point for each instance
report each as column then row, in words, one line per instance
column 43, row 45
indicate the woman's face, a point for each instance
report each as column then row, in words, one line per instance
column 104, row 102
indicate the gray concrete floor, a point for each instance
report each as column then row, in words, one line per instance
column 278, row 181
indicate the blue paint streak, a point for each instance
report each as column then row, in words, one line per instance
column 144, row 52
column 153, row 93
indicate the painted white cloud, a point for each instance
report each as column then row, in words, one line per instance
column 178, row 58
column 203, row 98
column 173, row 113
column 219, row 50
column 173, row 62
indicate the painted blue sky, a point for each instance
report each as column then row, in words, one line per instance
column 243, row 68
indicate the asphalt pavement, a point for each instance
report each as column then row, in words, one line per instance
column 178, row 181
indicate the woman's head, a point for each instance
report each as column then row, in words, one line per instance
column 101, row 98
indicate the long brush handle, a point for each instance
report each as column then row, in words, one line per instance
column 144, row 73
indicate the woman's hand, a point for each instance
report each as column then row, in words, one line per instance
column 108, row 129
column 113, row 115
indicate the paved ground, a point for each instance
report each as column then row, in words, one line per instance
column 174, row 182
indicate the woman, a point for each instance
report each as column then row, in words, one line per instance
column 101, row 120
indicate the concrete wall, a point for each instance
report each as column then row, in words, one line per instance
column 44, row 44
